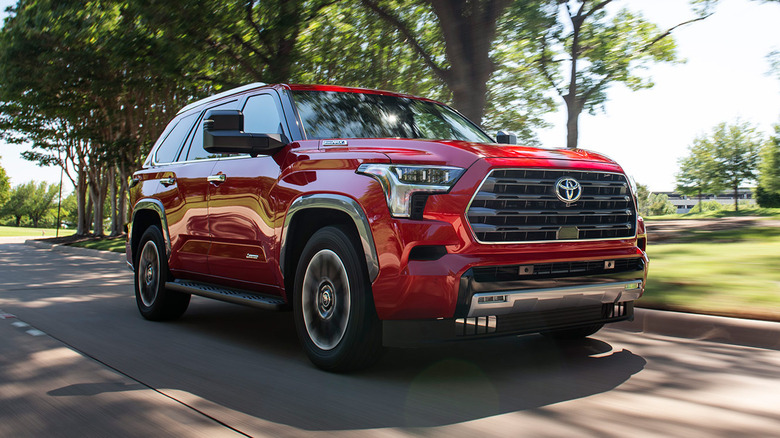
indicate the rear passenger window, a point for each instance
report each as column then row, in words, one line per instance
column 169, row 149
column 261, row 115
column 196, row 151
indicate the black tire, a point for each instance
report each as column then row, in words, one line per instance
column 155, row 302
column 573, row 333
column 333, row 304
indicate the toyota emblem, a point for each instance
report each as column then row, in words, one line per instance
column 568, row 189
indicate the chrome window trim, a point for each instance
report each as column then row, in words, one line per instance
column 340, row 203
column 474, row 235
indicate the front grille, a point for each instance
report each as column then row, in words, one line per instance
column 520, row 205
column 493, row 274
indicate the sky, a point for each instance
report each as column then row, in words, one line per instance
column 724, row 80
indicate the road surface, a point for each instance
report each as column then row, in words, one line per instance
column 76, row 359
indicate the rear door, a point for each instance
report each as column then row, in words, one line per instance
column 184, row 202
column 242, row 215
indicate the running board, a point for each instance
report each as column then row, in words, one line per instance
column 221, row 293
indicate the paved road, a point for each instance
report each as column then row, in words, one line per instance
column 76, row 359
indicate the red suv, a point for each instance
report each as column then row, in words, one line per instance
column 379, row 219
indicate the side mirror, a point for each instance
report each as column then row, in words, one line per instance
column 506, row 137
column 223, row 133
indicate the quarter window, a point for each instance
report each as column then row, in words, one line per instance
column 169, row 149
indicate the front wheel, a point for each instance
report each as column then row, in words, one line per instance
column 333, row 304
column 155, row 302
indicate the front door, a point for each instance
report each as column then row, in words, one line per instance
column 242, row 218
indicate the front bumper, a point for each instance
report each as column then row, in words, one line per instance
column 413, row 333
column 531, row 300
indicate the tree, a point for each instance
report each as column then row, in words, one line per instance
column 468, row 29
column 5, row 186
column 86, row 85
column 734, row 150
column 582, row 51
column 16, row 203
column 768, row 190
column 653, row 204
column 233, row 42
column 483, row 60
column 40, row 202
column 697, row 174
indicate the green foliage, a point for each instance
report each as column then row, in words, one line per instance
column 709, row 206
column 347, row 45
column 697, row 174
column 32, row 200
column 5, row 186
column 725, row 159
column 768, row 190
column 582, row 51
column 774, row 63
column 653, row 204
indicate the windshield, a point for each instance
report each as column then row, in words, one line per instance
column 330, row 114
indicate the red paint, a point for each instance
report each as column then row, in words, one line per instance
column 214, row 226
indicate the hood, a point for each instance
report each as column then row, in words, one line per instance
column 464, row 154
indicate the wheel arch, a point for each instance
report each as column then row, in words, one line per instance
column 309, row 213
column 146, row 213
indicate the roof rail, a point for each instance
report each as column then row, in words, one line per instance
column 221, row 95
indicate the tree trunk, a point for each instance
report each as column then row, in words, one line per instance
column 468, row 28
column 18, row 221
column 123, row 189
column 736, row 194
column 573, row 110
column 82, row 225
column 700, row 195
column 112, row 198
column 97, row 193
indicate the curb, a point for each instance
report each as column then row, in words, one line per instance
column 76, row 250
column 747, row 332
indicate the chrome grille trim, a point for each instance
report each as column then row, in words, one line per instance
column 495, row 214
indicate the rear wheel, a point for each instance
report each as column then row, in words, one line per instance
column 333, row 304
column 573, row 333
column 155, row 302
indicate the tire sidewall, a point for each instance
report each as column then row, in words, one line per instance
column 361, row 305
column 155, row 309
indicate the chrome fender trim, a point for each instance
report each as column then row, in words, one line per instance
column 156, row 206
column 343, row 204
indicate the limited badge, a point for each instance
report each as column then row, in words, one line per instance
column 334, row 142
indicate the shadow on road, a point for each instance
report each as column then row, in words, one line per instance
column 431, row 386
column 250, row 361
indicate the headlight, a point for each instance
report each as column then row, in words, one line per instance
column 400, row 182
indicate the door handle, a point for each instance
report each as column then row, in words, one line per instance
column 168, row 181
column 217, row 179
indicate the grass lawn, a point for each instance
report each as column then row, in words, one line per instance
column 726, row 212
column 733, row 273
column 115, row 244
column 33, row 232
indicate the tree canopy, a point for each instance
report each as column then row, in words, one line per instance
column 583, row 50
column 768, row 190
